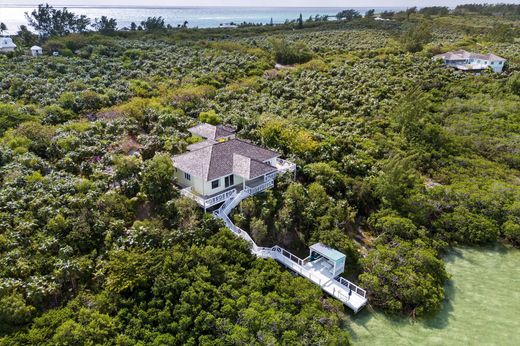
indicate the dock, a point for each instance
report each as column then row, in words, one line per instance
column 322, row 267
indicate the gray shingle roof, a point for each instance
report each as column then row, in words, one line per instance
column 464, row 55
column 200, row 145
column 211, row 131
column 234, row 156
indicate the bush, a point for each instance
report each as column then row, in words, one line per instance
column 404, row 277
column 514, row 83
column 512, row 232
column 290, row 53
column 11, row 116
column 464, row 226
column 158, row 178
column 210, row 117
column 415, row 37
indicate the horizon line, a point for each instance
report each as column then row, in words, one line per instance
column 188, row 7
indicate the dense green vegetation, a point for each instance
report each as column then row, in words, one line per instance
column 398, row 158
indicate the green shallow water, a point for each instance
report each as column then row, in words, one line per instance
column 482, row 306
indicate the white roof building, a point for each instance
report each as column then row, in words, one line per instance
column 36, row 50
column 468, row 61
column 7, row 45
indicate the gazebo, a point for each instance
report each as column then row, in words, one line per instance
column 330, row 258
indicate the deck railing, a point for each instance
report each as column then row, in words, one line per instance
column 186, row 192
column 352, row 286
column 208, row 202
column 284, row 165
column 338, row 287
column 259, row 188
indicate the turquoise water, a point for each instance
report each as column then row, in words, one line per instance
column 483, row 306
column 202, row 17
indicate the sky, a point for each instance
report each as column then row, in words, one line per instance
column 264, row 3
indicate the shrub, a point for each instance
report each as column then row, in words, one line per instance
column 158, row 178
column 286, row 53
column 404, row 277
column 512, row 232
column 210, row 117
column 415, row 37
column 464, row 226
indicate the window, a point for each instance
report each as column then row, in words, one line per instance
column 187, row 176
column 215, row 183
column 229, row 181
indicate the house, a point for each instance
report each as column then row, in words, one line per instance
column 467, row 61
column 225, row 170
column 36, row 51
column 7, row 45
column 222, row 165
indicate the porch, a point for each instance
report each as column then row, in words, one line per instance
column 252, row 187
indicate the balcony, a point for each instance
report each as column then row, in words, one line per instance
column 284, row 166
column 208, row 201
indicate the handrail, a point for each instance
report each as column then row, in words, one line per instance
column 186, row 192
column 341, row 286
column 219, row 198
column 254, row 190
column 209, row 202
column 284, row 165
column 352, row 286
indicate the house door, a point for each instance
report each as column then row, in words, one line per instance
column 229, row 181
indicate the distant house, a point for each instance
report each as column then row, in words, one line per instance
column 7, row 45
column 36, row 51
column 221, row 165
column 467, row 61
column 228, row 25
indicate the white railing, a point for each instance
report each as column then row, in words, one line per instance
column 340, row 289
column 208, row 202
column 219, row 198
column 186, row 192
column 297, row 260
column 259, row 188
column 352, row 286
column 270, row 176
column 284, row 165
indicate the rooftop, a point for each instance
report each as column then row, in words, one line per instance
column 465, row 55
column 327, row 251
column 7, row 42
column 212, row 132
column 234, row 156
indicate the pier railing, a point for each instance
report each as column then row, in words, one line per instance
column 352, row 286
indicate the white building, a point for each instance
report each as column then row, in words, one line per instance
column 225, row 170
column 214, row 169
column 467, row 61
column 7, row 45
column 36, row 51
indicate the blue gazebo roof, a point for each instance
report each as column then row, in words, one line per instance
column 328, row 252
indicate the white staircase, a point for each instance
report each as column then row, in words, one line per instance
column 348, row 293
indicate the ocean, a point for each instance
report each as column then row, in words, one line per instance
column 202, row 17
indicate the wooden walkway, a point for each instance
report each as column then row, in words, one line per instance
column 348, row 293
